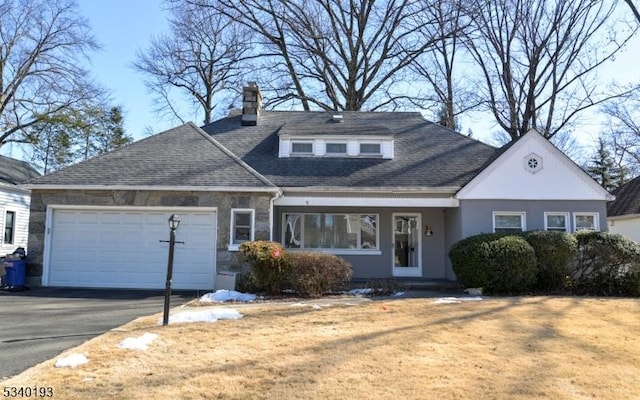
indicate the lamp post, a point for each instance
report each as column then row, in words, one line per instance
column 174, row 222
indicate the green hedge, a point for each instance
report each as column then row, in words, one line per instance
column 269, row 265
column 555, row 252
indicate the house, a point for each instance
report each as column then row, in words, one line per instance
column 623, row 214
column 14, row 203
column 388, row 191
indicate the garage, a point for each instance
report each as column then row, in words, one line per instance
column 120, row 247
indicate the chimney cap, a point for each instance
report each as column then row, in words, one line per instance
column 252, row 84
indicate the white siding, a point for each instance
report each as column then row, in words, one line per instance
column 628, row 227
column 19, row 202
column 508, row 178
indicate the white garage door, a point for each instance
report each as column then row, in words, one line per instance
column 121, row 248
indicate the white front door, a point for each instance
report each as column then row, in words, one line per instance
column 407, row 245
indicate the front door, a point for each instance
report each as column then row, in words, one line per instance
column 407, row 251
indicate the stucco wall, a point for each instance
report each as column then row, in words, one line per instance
column 477, row 215
column 225, row 259
column 380, row 266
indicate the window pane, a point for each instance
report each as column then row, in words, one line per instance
column 508, row 222
column 313, row 231
column 556, row 222
column 337, row 148
column 298, row 147
column 242, row 235
column 9, row 225
column 369, row 148
column 368, row 232
column 292, row 238
column 243, row 219
column 585, row 222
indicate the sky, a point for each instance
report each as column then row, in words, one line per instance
column 124, row 26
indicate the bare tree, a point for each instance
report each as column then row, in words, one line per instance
column 335, row 54
column 448, row 92
column 42, row 46
column 539, row 58
column 622, row 132
column 634, row 9
column 201, row 58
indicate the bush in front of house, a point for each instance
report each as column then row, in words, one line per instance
column 606, row 264
column 269, row 265
column 313, row 274
column 469, row 259
column 511, row 265
column 555, row 252
column 498, row 263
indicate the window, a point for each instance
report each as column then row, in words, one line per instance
column 585, row 221
column 242, row 227
column 330, row 231
column 505, row 222
column 556, row 221
column 336, row 148
column 369, row 148
column 302, row 148
column 9, row 227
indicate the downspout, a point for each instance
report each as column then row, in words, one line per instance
column 272, row 201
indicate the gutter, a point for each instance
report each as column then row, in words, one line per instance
column 272, row 201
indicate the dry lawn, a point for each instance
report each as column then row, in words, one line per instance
column 502, row 348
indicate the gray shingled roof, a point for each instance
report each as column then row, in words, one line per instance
column 333, row 128
column 627, row 199
column 426, row 154
column 182, row 156
column 14, row 171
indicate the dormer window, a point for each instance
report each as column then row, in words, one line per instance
column 336, row 137
column 302, row 148
column 336, row 148
column 370, row 149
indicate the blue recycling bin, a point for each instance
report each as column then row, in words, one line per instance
column 16, row 272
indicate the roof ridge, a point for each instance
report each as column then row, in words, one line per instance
column 231, row 155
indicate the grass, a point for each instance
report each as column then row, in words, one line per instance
column 500, row 348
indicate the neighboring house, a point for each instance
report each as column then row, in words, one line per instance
column 389, row 192
column 14, row 204
column 623, row 214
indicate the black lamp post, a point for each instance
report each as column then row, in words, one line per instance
column 174, row 222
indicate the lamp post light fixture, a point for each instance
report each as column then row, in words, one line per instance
column 174, row 222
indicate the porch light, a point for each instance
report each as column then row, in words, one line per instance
column 174, row 222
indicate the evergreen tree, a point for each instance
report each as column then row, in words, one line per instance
column 603, row 168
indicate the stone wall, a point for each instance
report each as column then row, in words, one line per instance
column 223, row 201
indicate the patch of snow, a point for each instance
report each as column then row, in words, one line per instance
column 455, row 300
column 139, row 343
column 222, row 295
column 71, row 361
column 315, row 306
column 474, row 291
column 209, row 315
column 399, row 293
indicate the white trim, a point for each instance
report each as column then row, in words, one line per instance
column 232, row 220
column 376, row 190
column 365, row 202
column 596, row 220
column 566, row 216
column 406, row 271
column 130, row 208
column 522, row 214
column 153, row 188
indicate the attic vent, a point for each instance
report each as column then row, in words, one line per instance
column 533, row 163
column 336, row 118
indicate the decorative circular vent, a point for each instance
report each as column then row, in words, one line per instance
column 533, row 163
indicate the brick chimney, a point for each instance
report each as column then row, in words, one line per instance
column 251, row 104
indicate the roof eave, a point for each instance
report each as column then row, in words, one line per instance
column 154, row 188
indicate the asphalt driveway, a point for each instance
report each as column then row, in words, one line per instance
column 38, row 324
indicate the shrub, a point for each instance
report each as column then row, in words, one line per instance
column 269, row 265
column 496, row 262
column 606, row 264
column 511, row 265
column 313, row 274
column 554, row 253
column 469, row 259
